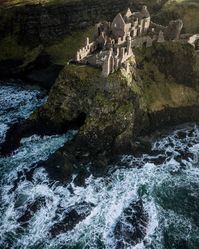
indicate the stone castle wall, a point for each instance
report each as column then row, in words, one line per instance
column 113, row 41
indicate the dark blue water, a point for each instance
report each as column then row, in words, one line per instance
column 150, row 201
column 17, row 102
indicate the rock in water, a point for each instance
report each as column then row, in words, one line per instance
column 131, row 228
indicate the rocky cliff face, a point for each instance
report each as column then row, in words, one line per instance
column 111, row 113
column 46, row 23
column 39, row 23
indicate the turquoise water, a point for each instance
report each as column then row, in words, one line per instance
column 151, row 201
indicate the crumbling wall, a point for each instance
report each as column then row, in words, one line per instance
column 172, row 32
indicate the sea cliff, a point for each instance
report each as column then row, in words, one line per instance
column 113, row 113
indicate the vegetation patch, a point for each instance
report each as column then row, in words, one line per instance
column 65, row 49
column 60, row 52
column 187, row 10
column 83, row 73
column 158, row 89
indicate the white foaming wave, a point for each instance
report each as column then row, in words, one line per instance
column 195, row 150
column 40, row 223
column 12, row 95
column 172, row 142
column 110, row 216
column 110, row 196
column 17, row 102
column 32, row 150
column 3, row 130
column 23, row 159
column 109, row 201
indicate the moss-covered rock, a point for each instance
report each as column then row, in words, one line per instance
column 187, row 10
column 107, row 103
column 111, row 112
column 168, row 76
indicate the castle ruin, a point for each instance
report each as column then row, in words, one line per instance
column 113, row 43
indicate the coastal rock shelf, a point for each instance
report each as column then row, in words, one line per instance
column 112, row 112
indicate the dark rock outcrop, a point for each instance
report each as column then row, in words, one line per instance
column 31, row 209
column 37, row 69
column 71, row 218
column 112, row 112
column 131, row 227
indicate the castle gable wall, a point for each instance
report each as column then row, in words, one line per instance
column 113, row 42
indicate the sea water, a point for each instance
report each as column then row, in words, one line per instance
column 150, row 201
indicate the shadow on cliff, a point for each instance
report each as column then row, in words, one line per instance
column 114, row 115
column 25, row 129
column 35, row 71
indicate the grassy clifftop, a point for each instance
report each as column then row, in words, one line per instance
column 169, row 75
column 60, row 51
column 187, row 10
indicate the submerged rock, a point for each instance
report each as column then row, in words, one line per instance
column 31, row 209
column 131, row 227
column 71, row 218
